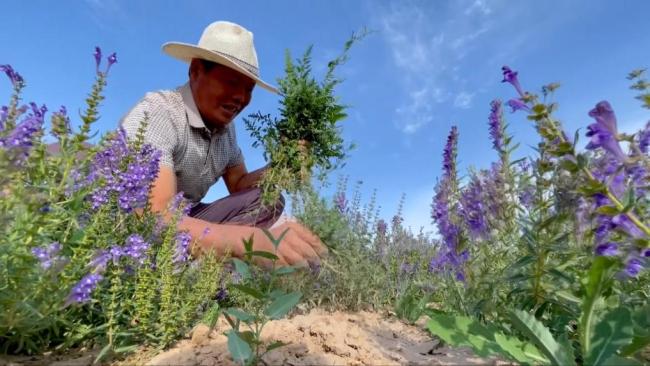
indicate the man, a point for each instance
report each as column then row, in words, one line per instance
column 192, row 126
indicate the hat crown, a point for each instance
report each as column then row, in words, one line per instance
column 230, row 40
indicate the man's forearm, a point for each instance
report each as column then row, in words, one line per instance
column 251, row 179
column 210, row 236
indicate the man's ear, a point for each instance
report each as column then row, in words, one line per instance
column 195, row 68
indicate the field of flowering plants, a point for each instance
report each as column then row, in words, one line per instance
column 540, row 260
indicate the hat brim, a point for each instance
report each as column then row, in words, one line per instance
column 186, row 52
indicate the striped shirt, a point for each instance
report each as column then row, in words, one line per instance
column 197, row 156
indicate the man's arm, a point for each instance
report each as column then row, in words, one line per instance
column 238, row 178
column 298, row 246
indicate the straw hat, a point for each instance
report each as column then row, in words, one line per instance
column 225, row 43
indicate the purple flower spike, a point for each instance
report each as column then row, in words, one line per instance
column 98, row 58
column 646, row 253
column 381, row 227
column 624, row 223
column 182, row 250
column 449, row 154
column 644, row 138
column 633, row 267
column 495, row 123
column 81, row 291
column 510, row 76
column 340, row 202
column 47, row 256
column 607, row 249
column 517, row 105
column 136, row 248
column 15, row 77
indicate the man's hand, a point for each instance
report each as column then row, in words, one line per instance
column 298, row 247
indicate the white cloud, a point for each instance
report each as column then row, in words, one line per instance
column 463, row 100
column 426, row 41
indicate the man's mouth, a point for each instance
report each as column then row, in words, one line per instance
column 230, row 108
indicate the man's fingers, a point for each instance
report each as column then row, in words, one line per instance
column 308, row 237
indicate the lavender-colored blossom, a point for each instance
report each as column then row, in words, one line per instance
column 510, row 76
column 13, row 76
column 644, row 138
column 496, row 127
column 623, row 222
column 518, row 105
column 131, row 186
column 221, row 295
column 112, row 59
column 100, row 260
column 136, row 248
column 449, row 154
column 47, row 256
column 182, row 248
column 473, row 209
column 98, row 58
column 4, row 113
column 21, row 139
column 83, row 289
column 397, row 221
column 645, row 253
column 340, row 202
column 527, row 196
column 633, row 267
column 607, row 249
column 604, row 132
column 381, row 227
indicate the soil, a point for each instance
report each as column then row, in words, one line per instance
column 315, row 338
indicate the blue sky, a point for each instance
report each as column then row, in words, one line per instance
column 427, row 65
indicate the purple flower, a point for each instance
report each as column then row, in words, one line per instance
column 4, row 113
column 136, row 248
column 20, row 140
column 517, row 104
column 644, row 138
column 607, row 249
column 633, row 267
column 495, row 122
column 510, row 76
column 130, row 185
column 15, row 77
column 47, row 256
column 99, row 261
column 98, row 58
column 604, row 132
column 645, row 253
column 112, row 59
column 473, row 209
column 182, row 249
column 83, row 289
column 340, row 202
column 624, row 223
column 222, row 294
column 449, row 154
column 381, row 227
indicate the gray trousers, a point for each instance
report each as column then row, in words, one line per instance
column 241, row 208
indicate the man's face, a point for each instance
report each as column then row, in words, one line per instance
column 219, row 92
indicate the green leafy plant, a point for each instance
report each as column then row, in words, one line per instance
column 267, row 302
column 306, row 136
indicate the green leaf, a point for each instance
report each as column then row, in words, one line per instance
column 103, row 353
column 537, row 333
column 242, row 268
column 274, row 241
column 239, row 350
column 240, row 314
column 259, row 253
column 250, row 291
column 281, row 306
column 465, row 331
column 621, row 361
column 597, row 279
column 608, row 210
column 612, row 333
column 638, row 343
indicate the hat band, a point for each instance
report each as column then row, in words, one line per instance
column 243, row 64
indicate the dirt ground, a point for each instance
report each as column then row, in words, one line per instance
column 316, row 338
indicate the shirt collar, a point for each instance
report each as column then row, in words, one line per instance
column 193, row 116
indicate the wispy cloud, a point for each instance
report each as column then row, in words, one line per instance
column 443, row 51
column 105, row 13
